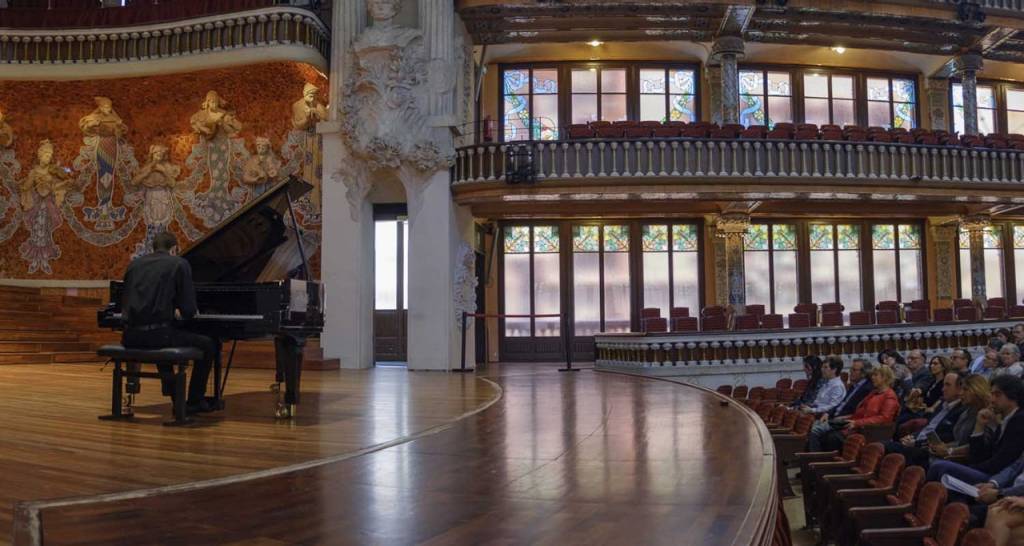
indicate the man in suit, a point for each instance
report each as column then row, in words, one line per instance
column 158, row 289
column 915, row 446
column 991, row 449
column 857, row 389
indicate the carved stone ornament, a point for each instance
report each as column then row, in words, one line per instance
column 732, row 225
column 968, row 62
column 357, row 187
column 727, row 45
column 978, row 222
column 465, row 283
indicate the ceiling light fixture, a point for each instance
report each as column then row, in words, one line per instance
column 839, row 49
column 595, row 43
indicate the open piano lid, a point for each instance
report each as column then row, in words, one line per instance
column 258, row 243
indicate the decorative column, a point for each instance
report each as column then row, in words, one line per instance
column 938, row 103
column 727, row 51
column 733, row 227
column 714, row 77
column 944, row 237
column 347, row 252
column 975, row 227
column 966, row 67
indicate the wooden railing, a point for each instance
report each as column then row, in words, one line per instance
column 279, row 25
column 791, row 159
column 749, row 347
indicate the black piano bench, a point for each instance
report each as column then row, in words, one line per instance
column 128, row 365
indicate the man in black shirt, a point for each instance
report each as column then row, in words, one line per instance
column 158, row 290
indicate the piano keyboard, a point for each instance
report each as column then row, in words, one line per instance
column 203, row 316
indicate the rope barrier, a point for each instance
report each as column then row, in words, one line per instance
column 566, row 337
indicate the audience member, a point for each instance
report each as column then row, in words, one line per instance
column 857, row 389
column 915, row 447
column 960, row 360
column 920, row 378
column 922, row 404
column 812, row 370
column 1006, row 521
column 1017, row 335
column 991, row 450
column 1002, row 334
column 879, row 406
column 975, row 396
column 831, row 394
column 989, row 360
column 892, row 359
column 1009, row 361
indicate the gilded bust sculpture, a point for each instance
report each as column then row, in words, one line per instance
column 6, row 133
column 214, row 118
column 308, row 111
column 44, row 179
column 103, row 121
column 263, row 168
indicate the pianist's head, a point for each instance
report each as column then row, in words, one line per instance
column 164, row 241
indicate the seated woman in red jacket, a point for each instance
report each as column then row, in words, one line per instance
column 880, row 406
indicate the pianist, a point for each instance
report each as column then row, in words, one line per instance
column 158, row 286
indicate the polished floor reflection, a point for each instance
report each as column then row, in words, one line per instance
column 561, row 458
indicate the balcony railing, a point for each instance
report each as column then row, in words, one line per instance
column 279, row 25
column 649, row 352
column 655, row 158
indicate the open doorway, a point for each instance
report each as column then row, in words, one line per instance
column 391, row 286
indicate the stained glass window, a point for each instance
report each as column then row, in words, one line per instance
column 598, row 94
column 601, row 294
column 821, row 237
column 883, row 237
column 892, row 102
column 1018, row 236
column 530, row 104
column 655, row 238
column 616, row 238
column 517, row 239
column 545, row 239
column 756, row 237
column 910, row 236
column 684, row 238
column 835, row 264
column 1018, row 257
column 848, row 237
column 986, row 108
column 784, row 237
column 828, row 98
column 671, row 279
column 531, row 280
column 898, row 271
column 1015, row 111
column 770, row 266
column 992, row 249
column 765, row 98
column 585, row 239
column 667, row 94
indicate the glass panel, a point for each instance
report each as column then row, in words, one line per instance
column 823, row 276
column 684, row 237
column 816, row 85
column 517, row 239
column 546, row 122
column 784, row 237
column 849, row 236
column 965, row 239
column 786, row 295
column 613, row 80
column 905, row 115
column 780, row 110
column 910, row 275
column 884, row 275
column 986, row 96
column 616, row 238
column 613, row 108
column 652, row 81
column 1015, row 122
column 903, row 91
column 682, row 108
column 584, row 108
column 849, row 280
column 878, row 114
column 1015, row 99
column 965, row 273
column 842, row 87
column 756, row 237
column 652, row 107
column 681, row 81
column 751, row 82
column 910, row 236
column 385, row 265
column 584, row 81
column 655, row 238
column 752, row 110
column 545, row 239
column 878, row 89
column 1018, row 236
column 546, row 293
column 656, row 281
column 545, row 81
column 843, row 113
column 585, row 239
column 517, row 82
column 1018, row 257
column 958, row 95
column 821, row 237
column 986, row 121
column 756, row 277
column 816, row 111
column 778, row 84
column 883, row 237
column 586, row 293
column 993, row 273
column 517, row 294
column 517, row 117
column 992, row 238
column 616, row 292
column 686, row 276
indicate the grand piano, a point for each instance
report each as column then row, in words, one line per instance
column 251, row 280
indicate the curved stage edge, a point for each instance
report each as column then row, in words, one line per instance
column 589, row 457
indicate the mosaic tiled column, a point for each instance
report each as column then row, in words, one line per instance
column 714, row 77
column 727, row 51
column 966, row 67
column 944, row 237
column 975, row 227
column 732, row 227
column 938, row 103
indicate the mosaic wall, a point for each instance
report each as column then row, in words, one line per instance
column 91, row 170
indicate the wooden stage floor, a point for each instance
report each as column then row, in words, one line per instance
column 559, row 458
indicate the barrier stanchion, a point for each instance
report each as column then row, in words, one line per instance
column 462, row 367
column 566, row 338
column 567, row 342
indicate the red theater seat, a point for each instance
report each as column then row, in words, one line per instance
column 966, row 313
column 886, row 317
column 944, row 315
column 685, row 324
column 746, row 322
column 756, row 309
column 609, row 132
column 831, row 318
column 713, row 323
column 799, row 320
column 773, row 322
column 810, row 309
column 861, row 318
column 650, row 312
column 679, row 312
column 994, row 313
column 655, row 325
column 832, row 307
column 638, row 132
column 666, row 132
column 1015, row 311
column 713, row 310
column 917, row 315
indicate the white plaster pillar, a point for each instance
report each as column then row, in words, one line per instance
column 346, row 259
column 348, row 19
column 440, row 232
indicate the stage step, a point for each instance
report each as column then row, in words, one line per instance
column 43, row 346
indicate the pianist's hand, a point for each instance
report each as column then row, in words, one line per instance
column 177, row 314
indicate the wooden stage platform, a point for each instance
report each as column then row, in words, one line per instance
column 389, row 457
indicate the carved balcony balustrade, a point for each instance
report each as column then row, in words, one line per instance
column 685, row 350
column 273, row 26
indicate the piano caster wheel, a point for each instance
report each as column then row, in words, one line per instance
column 275, row 388
column 128, row 405
column 285, row 411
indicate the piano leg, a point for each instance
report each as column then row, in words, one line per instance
column 288, row 355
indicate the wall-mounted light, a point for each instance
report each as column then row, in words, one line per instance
column 839, row 49
column 595, row 43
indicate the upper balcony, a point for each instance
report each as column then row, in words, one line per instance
column 687, row 164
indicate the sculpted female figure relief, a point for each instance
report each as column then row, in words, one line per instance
column 213, row 118
column 42, row 194
column 103, row 159
column 262, row 170
column 157, row 179
column 218, row 156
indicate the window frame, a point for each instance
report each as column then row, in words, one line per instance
column 999, row 92
column 800, row 250
column 829, row 73
column 834, row 251
column 530, row 67
column 1004, row 231
column 765, row 69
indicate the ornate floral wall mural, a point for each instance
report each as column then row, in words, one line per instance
column 91, row 170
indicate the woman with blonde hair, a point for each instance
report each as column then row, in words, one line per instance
column 880, row 406
column 975, row 395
